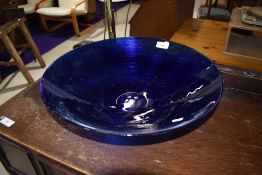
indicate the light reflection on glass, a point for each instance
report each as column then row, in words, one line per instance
column 191, row 93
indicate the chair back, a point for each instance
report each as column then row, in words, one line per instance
column 10, row 13
column 32, row 2
column 70, row 3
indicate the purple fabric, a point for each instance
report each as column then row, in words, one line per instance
column 45, row 41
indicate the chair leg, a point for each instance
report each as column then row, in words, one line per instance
column 43, row 22
column 90, row 28
column 32, row 44
column 76, row 27
column 44, row 25
column 11, row 49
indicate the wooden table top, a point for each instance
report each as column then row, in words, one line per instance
column 209, row 38
column 229, row 142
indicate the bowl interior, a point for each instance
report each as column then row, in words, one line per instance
column 128, row 86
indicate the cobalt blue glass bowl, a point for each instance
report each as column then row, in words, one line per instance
column 130, row 87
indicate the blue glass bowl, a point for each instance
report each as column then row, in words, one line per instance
column 130, row 87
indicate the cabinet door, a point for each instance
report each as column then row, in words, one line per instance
column 50, row 167
column 49, row 170
column 17, row 160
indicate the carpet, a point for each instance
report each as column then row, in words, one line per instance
column 45, row 41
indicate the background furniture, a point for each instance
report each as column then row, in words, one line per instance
column 209, row 37
column 66, row 12
column 91, row 9
column 3, row 4
column 221, row 9
column 114, row 0
column 216, row 10
column 250, row 3
column 8, row 13
column 30, row 6
column 160, row 19
column 17, row 2
column 15, row 51
column 250, row 37
column 13, row 12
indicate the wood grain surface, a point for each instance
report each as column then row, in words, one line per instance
column 209, row 37
column 229, row 142
column 160, row 19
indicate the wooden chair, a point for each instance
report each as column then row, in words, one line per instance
column 15, row 51
column 29, row 7
column 13, row 12
column 221, row 9
column 216, row 10
column 66, row 12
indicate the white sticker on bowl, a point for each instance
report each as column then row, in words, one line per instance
column 162, row 45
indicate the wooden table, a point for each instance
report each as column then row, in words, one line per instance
column 229, row 142
column 209, row 38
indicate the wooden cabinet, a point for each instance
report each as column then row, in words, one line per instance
column 47, row 146
column 20, row 161
column 160, row 19
column 64, row 149
column 17, row 160
column 50, row 167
